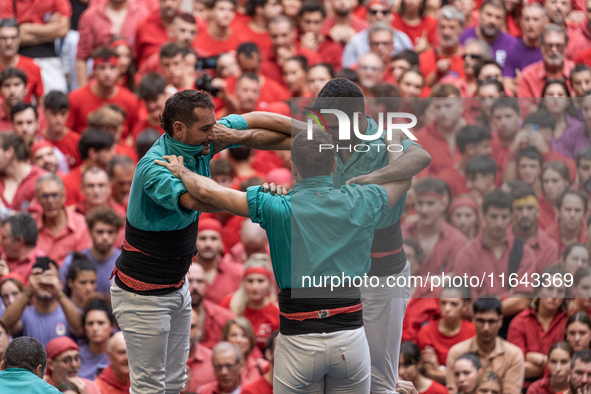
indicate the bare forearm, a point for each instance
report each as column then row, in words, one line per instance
column 73, row 315
column 275, row 122
column 12, row 313
column 436, row 374
column 264, row 139
column 511, row 306
column 36, row 33
column 81, row 72
column 406, row 166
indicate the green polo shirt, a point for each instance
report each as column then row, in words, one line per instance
column 20, row 380
column 318, row 230
column 154, row 196
column 363, row 163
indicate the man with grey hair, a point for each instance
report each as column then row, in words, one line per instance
column 61, row 231
column 115, row 378
column 492, row 17
column 446, row 59
column 533, row 20
column 358, row 45
column 371, row 70
column 228, row 365
column 557, row 11
column 381, row 40
column 23, row 367
column 554, row 65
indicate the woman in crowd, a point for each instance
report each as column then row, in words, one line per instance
column 578, row 331
column 294, row 76
column 239, row 331
column 488, row 383
column 412, row 19
column 569, row 132
column 467, row 370
column 546, row 317
column 410, row 84
column 409, row 369
column 98, row 322
column 487, row 92
column 581, row 290
column 317, row 76
column 463, row 215
column 80, row 280
column 557, row 380
column 574, row 257
column 126, row 64
column 255, row 298
column 11, row 287
column 436, row 338
column 555, row 181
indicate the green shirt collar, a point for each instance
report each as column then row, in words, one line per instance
column 181, row 149
column 313, row 182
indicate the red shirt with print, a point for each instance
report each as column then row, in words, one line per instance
column 430, row 335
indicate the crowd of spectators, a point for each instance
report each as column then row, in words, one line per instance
column 502, row 93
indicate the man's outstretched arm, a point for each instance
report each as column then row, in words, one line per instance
column 206, row 190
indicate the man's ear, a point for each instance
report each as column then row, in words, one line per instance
column 92, row 154
column 334, row 165
column 179, row 130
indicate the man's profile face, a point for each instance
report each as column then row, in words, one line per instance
column 11, row 246
column 9, row 41
column 121, row 182
column 487, row 325
column 45, row 158
column 584, row 171
column 200, row 132
column 25, row 125
column 581, row 83
column 496, row 222
column 580, row 376
column 13, row 91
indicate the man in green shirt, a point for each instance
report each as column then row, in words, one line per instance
column 23, row 368
column 316, row 231
column 150, row 295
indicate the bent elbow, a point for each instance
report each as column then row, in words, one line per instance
column 425, row 159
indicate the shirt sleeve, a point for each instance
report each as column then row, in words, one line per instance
column 163, row 188
column 516, row 335
column 63, row 7
column 407, row 143
column 236, row 122
column 378, row 199
column 256, row 201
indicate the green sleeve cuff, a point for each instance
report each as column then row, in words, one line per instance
column 407, row 143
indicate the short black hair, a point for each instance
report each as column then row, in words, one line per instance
column 338, row 91
column 170, row 50
column 9, row 22
column 485, row 304
column 484, row 165
column 530, row 152
column 151, row 87
column 79, row 263
column 579, row 68
column 145, row 140
column 410, row 353
column 431, row 185
column 181, row 108
column 584, row 355
column 472, row 357
column 542, row 118
column 471, row 135
column 104, row 52
column 497, row 199
column 119, row 160
column 251, row 6
column 94, row 139
column 11, row 140
column 348, row 74
column 310, row 6
column 98, row 304
column 505, row 102
column 23, row 225
column 21, row 107
column 247, row 75
column 248, row 49
column 270, row 344
column 483, row 63
column 410, row 56
column 301, row 60
column 308, row 160
column 240, row 153
column 584, row 153
column 26, row 353
column 327, row 66
column 496, row 4
column 12, row 72
column 57, row 100
column 520, row 189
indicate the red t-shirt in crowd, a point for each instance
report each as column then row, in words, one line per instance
column 83, row 101
column 428, row 64
column 73, row 186
column 443, row 255
column 34, row 11
column 435, row 388
column 457, row 182
column 554, row 232
column 68, row 145
column 270, row 68
column 23, row 267
column 547, row 213
column 526, row 332
column 545, row 250
column 265, row 161
column 429, row 335
column 271, row 90
column 245, row 33
column 424, row 311
column 212, row 47
column 142, row 125
column 434, row 143
column 34, row 81
column 215, row 320
column 124, row 149
column 226, row 281
column 428, row 24
column 25, row 191
column 259, row 386
column 201, row 367
column 149, row 37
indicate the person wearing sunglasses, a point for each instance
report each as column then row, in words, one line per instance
column 474, row 51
